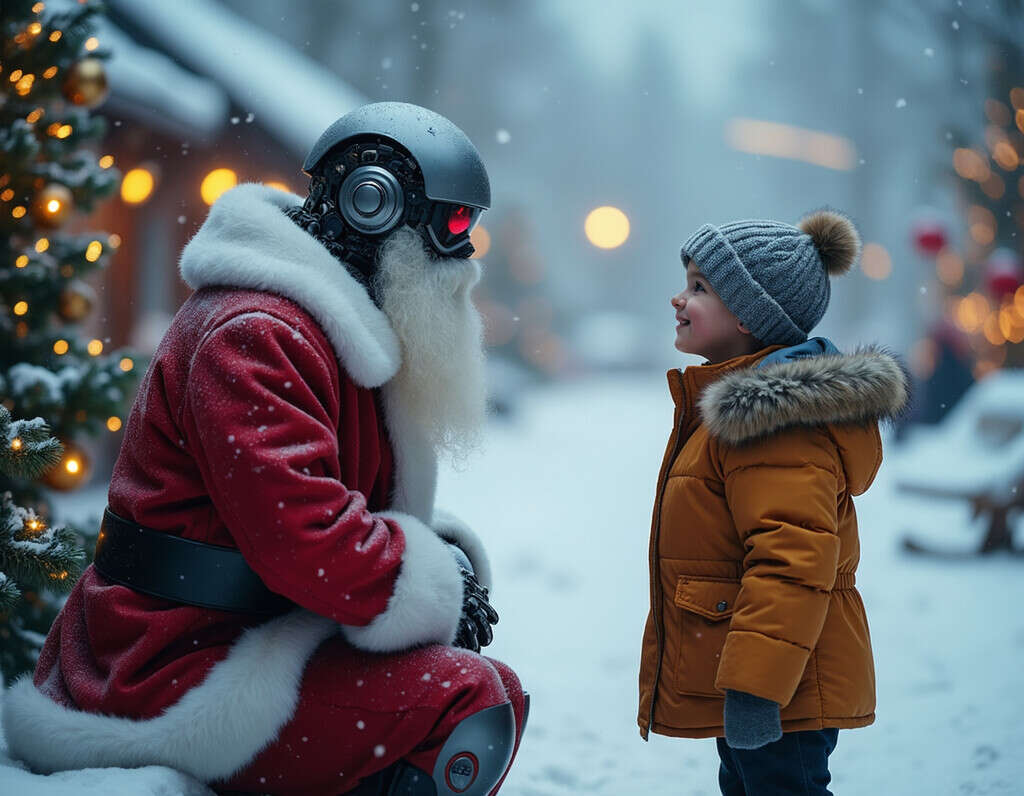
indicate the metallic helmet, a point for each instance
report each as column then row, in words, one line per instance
column 389, row 163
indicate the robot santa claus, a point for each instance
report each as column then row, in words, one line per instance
column 276, row 605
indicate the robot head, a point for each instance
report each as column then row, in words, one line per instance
column 391, row 163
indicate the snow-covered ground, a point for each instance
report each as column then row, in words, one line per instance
column 563, row 495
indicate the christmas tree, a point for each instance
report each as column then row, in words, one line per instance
column 51, row 74
column 33, row 557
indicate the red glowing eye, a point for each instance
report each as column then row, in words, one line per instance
column 458, row 221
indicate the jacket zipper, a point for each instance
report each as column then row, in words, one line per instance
column 655, row 575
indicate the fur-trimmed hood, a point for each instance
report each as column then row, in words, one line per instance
column 851, row 393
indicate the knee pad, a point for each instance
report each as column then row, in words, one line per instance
column 471, row 761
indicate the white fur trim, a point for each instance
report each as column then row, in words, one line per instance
column 213, row 731
column 248, row 242
column 451, row 528
column 426, row 603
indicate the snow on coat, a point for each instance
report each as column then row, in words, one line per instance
column 268, row 422
column 754, row 541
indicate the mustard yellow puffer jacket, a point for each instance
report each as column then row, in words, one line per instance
column 754, row 541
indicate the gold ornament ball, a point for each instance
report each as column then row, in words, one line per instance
column 86, row 83
column 52, row 205
column 76, row 301
column 72, row 471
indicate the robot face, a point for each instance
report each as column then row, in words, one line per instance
column 449, row 227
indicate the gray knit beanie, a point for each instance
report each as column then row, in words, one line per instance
column 775, row 277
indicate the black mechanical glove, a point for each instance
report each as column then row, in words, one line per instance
column 477, row 614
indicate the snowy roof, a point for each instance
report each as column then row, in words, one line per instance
column 290, row 95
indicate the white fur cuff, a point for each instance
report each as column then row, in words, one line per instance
column 452, row 529
column 426, row 603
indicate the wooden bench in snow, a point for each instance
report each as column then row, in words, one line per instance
column 976, row 454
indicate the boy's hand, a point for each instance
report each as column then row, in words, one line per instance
column 750, row 721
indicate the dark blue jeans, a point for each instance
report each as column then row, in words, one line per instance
column 794, row 765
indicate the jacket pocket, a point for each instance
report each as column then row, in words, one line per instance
column 703, row 606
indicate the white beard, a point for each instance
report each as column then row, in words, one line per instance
column 441, row 378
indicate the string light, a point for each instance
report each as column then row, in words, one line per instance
column 217, row 182
column 21, row 308
column 92, row 43
column 15, row 76
column 114, row 240
column 53, row 206
column 22, row 261
column 106, row 161
column 49, row 73
column 35, row 116
column 38, row 7
column 35, row 28
column 24, row 86
column 18, row 211
column 42, row 245
column 60, row 347
column 72, row 466
column 126, row 364
column 16, row 444
column 95, row 347
column 93, row 252
column 55, row 36
column 7, row 195
column 64, row 131
column 136, row 186
column 114, row 423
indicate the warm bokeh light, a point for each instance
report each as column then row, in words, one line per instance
column 21, row 308
column 982, row 224
column 49, row 73
column 35, row 116
column 950, row 267
column 481, row 240
column 217, row 182
column 875, row 261
column 63, row 131
column 95, row 347
column 136, row 186
column 106, row 161
column 92, row 43
column 971, row 312
column 126, row 364
column 971, row 165
column 278, row 185
column 114, row 240
column 114, row 423
column 795, row 143
column 991, row 330
column 7, row 195
column 606, row 227
column 923, row 357
column 18, row 211
column 16, row 444
column 93, row 251
column 55, row 36
column 72, row 465
column 60, row 347
column 22, row 261
column 42, row 245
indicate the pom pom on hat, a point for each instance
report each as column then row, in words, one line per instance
column 835, row 237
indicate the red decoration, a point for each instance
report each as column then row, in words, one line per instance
column 1003, row 273
column 929, row 236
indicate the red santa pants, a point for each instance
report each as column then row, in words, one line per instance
column 359, row 712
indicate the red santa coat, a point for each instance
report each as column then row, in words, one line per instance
column 265, row 422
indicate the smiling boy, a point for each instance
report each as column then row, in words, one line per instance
column 757, row 635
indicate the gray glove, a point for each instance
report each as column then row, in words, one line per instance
column 750, row 721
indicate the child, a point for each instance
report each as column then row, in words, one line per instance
column 756, row 631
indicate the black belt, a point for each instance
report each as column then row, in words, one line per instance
column 182, row 570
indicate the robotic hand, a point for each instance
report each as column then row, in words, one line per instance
column 477, row 617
